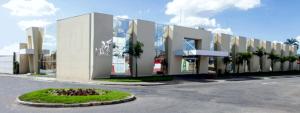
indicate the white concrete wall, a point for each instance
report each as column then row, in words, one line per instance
column 254, row 62
column 145, row 33
column 6, row 64
column 176, row 42
column 35, row 41
column 241, row 47
column 78, row 38
column 277, row 47
column 286, row 53
column 293, row 52
column 234, row 51
column 223, row 44
column 23, row 60
column 101, row 31
column 73, row 48
column 206, row 38
column 266, row 60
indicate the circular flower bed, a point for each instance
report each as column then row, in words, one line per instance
column 76, row 92
column 74, row 97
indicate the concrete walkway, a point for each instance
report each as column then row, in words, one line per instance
column 129, row 83
column 98, row 82
column 274, row 95
column 175, row 81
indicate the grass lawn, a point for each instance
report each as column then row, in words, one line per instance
column 139, row 79
column 41, row 74
column 45, row 96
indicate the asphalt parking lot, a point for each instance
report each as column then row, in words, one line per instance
column 274, row 95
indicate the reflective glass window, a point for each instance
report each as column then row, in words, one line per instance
column 160, row 63
column 189, row 44
column 121, row 36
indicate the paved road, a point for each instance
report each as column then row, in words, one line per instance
column 280, row 95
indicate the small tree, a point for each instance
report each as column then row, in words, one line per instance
column 15, row 64
column 298, row 62
column 274, row 58
column 292, row 41
column 282, row 60
column 226, row 61
column 260, row 52
column 246, row 56
column 239, row 61
column 291, row 60
column 135, row 50
column 234, row 56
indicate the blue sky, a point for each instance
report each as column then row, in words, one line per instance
column 273, row 20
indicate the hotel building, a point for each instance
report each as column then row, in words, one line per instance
column 92, row 46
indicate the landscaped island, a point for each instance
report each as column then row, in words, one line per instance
column 74, row 97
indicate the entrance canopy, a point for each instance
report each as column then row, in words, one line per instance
column 201, row 53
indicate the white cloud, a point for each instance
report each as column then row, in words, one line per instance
column 298, row 38
column 247, row 4
column 49, row 38
column 123, row 16
column 33, row 23
column 221, row 30
column 276, row 41
column 30, row 7
column 193, row 21
column 9, row 49
column 195, row 13
column 49, row 42
column 204, row 7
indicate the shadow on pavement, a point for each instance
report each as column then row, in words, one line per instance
column 209, row 78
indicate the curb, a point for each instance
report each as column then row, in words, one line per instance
column 128, row 99
column 138, row 84
column 90, row 82
column 130, row 83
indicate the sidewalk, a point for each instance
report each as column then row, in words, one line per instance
column 50, row 78
column 129, row 83
column 32, row 77
column 100, row 82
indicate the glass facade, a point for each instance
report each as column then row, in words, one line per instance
column 189, row 44
column 188, row 64
column 159, row 41
column 160, row 50
column 121, row 36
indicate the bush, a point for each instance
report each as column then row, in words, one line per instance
column 75, row 92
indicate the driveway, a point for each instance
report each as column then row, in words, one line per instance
column 275, row 95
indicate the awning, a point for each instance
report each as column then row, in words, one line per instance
column 202, row 53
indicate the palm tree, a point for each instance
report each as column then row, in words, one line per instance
column 291, row 60
column 298, row 62
column 15, row 64
column 282, row 60
column 234, row 57
column 292, row 41
column 245, row 57
column 226, row 61
column 260, row 52
column 274, row 58
column 135, row 50
column 239, row 61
